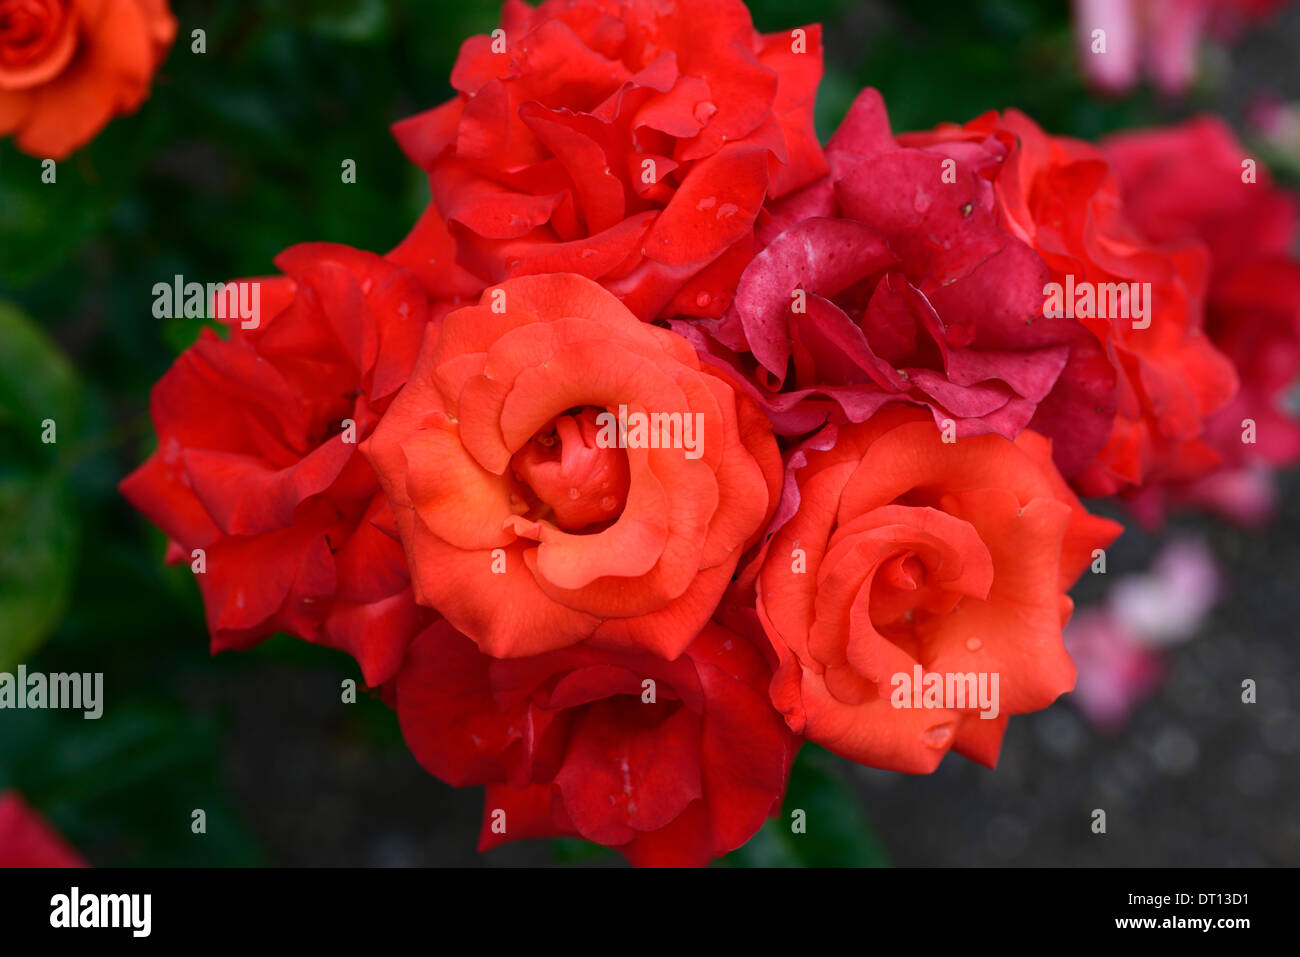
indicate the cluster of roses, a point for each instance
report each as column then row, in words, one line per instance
column 631, row 211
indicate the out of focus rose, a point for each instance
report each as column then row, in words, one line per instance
column 1197, row 181
column 27, row 840
column 67, row 67
column 629, row 142
column 1159, row 37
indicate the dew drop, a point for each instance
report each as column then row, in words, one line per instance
column 973, row 644
column 937, row 737
column 708, row 202
column 703, row 299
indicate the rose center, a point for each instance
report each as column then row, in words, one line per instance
column 24, row 22
column 37, row 39
column 576, row 481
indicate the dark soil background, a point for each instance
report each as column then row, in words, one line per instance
column 235, row 157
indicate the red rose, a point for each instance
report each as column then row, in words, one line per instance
column 1062, row 197
column 909, row 561
column 672, row 763
column 26, row 840
column 891, row 281
column 67, row 67
column 531, row 518
column 257, row 460
column 1189, row 181
column 631, row 142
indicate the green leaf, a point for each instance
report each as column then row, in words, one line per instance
column 122, row 788
column 38, row 525
column 38, row 546
column 36, row 379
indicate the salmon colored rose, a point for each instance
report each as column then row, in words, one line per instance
column 629, row 141
column 67, row 67
column 258, row 466
column 529, row 520
column 908, row 554
column 672, row 763
column 1063, row 198
column 27, row 840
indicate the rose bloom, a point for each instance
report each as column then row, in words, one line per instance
column 67, row 67
column 630, row 142
column 672, row 763
column 1063, row 198
column 907, row 551
column 891, row 280
column 1187, row 181
column 257, row 460
column 26, row 840
column 525, row 524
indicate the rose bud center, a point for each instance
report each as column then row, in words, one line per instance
column 572, row 475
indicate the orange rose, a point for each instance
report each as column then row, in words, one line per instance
column 67, row 67
column 913, row 566
column 560, row 472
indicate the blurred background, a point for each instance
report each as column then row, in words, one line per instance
column 236, row 156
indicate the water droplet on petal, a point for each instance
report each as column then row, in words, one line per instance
column 973, row 644
column 708, row 202
column 937, row 737
column 574, row 494
column 703, row 299
column 704, row 111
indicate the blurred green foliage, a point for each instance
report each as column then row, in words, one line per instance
column 237, row 155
